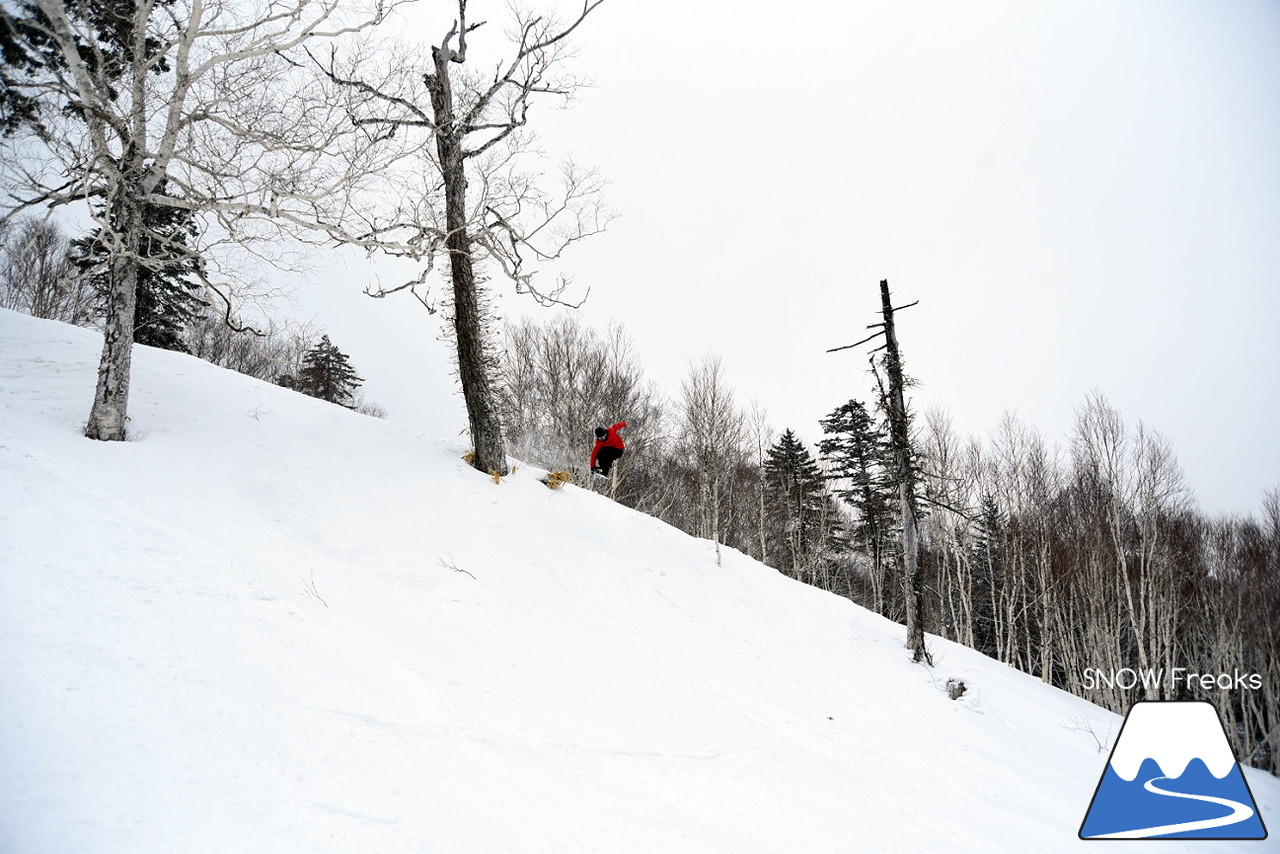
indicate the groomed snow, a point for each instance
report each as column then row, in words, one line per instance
column 267, row 624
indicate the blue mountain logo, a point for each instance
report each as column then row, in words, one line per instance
column 1172, row 775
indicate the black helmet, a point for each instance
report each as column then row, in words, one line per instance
column 601, row 433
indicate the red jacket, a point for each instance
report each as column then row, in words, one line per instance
column 611, row 440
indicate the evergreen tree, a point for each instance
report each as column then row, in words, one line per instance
column 987, row 556
column 856, row 453
column 168, row 298
column 326, row 374
column 797, row 505
column 16, row 60
column 107, row 42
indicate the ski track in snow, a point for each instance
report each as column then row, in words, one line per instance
column 1239, row 812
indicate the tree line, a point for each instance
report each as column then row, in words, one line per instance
column 1053, row 560
column 210, row 136
column 46, row 274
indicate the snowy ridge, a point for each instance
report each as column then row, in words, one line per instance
column 1172, row 734
column 266, row 624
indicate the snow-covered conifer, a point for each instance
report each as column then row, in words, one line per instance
column 856, row 452
column 327, row 374
column 799, row 506
column 168, row 297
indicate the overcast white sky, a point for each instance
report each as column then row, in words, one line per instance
column 1081, row 195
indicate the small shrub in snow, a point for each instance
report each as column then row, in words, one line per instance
column 557, row 478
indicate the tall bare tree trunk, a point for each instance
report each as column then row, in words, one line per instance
column 900, row 435
column 468, row 322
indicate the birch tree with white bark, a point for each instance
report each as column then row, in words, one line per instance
column 176, row 103
column 712, row 439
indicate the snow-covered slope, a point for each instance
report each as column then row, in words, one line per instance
column 266, row 624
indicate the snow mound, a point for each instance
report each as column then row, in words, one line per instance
column 267, row 624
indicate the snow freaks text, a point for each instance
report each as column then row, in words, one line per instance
column 1176, row 679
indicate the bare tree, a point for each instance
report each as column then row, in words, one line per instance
column 1139, row 489
column 1083, row 568
column 959, row 588
column 713, row 434
column 560, row 378
column 177, row 103
column 477, row 203
column 272, row 354
column 759, row 437
column 37, row 275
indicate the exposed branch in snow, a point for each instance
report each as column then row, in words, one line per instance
column 451, row 564
column 309, row 588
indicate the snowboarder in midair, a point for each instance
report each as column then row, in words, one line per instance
column 609, row 447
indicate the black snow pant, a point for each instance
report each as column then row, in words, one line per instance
column 605, row 459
